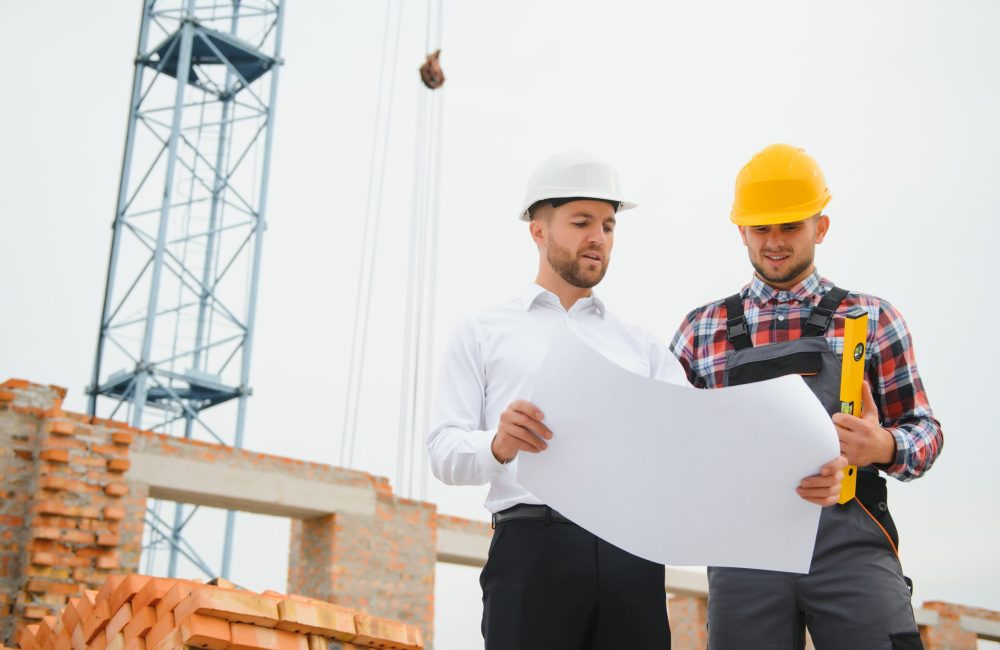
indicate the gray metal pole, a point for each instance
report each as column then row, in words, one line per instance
column 183, row 70
column 133, row 118
column 255, row 273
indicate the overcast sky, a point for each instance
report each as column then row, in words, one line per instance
column 897, row 100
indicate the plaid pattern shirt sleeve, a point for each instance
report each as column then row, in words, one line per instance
column 701, row 346
column 902, row 402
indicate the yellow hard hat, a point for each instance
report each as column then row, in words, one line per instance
column 780, row 184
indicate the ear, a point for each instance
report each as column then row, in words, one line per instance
column 743, row 235
column 538, row 233
column 822, row 227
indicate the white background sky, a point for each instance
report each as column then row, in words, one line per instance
column 897, row 100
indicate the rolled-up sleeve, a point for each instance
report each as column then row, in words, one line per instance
column 459, row 444
column 903, row 404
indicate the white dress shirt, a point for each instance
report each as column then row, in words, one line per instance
column 491, row 361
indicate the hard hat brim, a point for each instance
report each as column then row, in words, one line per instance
column 798, row 213
column 622, row 205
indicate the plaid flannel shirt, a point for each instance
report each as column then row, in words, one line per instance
column 775, row 316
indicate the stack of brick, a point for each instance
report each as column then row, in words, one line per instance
column 137, row 612
column 64, row 502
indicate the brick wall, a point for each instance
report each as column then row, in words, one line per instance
column 65, row 502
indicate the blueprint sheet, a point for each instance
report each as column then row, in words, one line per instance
column 677, row 475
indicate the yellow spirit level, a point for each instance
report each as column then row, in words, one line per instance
column 852, row 375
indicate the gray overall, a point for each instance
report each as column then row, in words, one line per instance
column 855, row 596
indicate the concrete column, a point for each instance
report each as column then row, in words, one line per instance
column 382, row 564
column 688, row 622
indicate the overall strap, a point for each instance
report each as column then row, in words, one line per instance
column 822, row 314
column 736, row 324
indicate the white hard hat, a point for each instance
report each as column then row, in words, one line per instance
column 573, row 175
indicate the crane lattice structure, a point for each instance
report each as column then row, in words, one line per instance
column 177, row 325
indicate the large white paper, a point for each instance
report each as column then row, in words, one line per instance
column 677, row 475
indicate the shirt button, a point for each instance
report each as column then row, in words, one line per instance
column 781, row 318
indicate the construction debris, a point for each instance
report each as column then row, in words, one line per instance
column 137, row 612
column 431, row 73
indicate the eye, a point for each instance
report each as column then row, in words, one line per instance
column 609, row 228
column 579, row 224
column 762, row 230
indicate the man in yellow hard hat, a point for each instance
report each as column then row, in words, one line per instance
column 789, row 319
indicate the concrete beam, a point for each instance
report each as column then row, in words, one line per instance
column 460, row 547
column 247, row 490
column 981, row 627
column 470, row 548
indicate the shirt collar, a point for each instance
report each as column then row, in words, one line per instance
column 813, row 285
column 534, row 291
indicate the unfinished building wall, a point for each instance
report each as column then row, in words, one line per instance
column 69, row 519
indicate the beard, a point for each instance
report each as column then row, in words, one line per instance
column 568, row 267
column 791, row 274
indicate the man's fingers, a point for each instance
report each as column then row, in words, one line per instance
column 868, row 400
column 531, row 425
column 525, row 437
column 527, row 408
column 833, row 466
column 823, row 481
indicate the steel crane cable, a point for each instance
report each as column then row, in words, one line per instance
column 373, row 213
column 422, row 276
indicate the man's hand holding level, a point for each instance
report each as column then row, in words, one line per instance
column 862, row 439
column 520, row 429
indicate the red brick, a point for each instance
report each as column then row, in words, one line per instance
column 55, row 455
column 116, row 489
column 317, row 618
column 85, row 605
column 93, row 626
column 109, row 587
column 118, row 621
column 7, row 396
column 116, row 643
column 164, row 626
column 109, row 561
column 45, row 629
column 252, row 637
column 50, row 586
column 122, row 437
column 235, row 606
column 142, row 622
column 119, row 464
column 176, row 594
column 372, row 630
column 28, row 635
column 108, row 539
column 152, row 592
column 70, row 618
column 205, row 632
column 135, row 644
column 44, row 559
column 126, row 591
column 61, row 427
column 77, row 640
column 114, row 513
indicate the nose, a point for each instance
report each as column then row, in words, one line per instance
column 597, row 234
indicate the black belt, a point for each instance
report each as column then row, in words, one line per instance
column 525, row 511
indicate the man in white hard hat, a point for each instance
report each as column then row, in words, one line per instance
column 548, row 583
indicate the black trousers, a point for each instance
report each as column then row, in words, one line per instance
column 554, row 586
